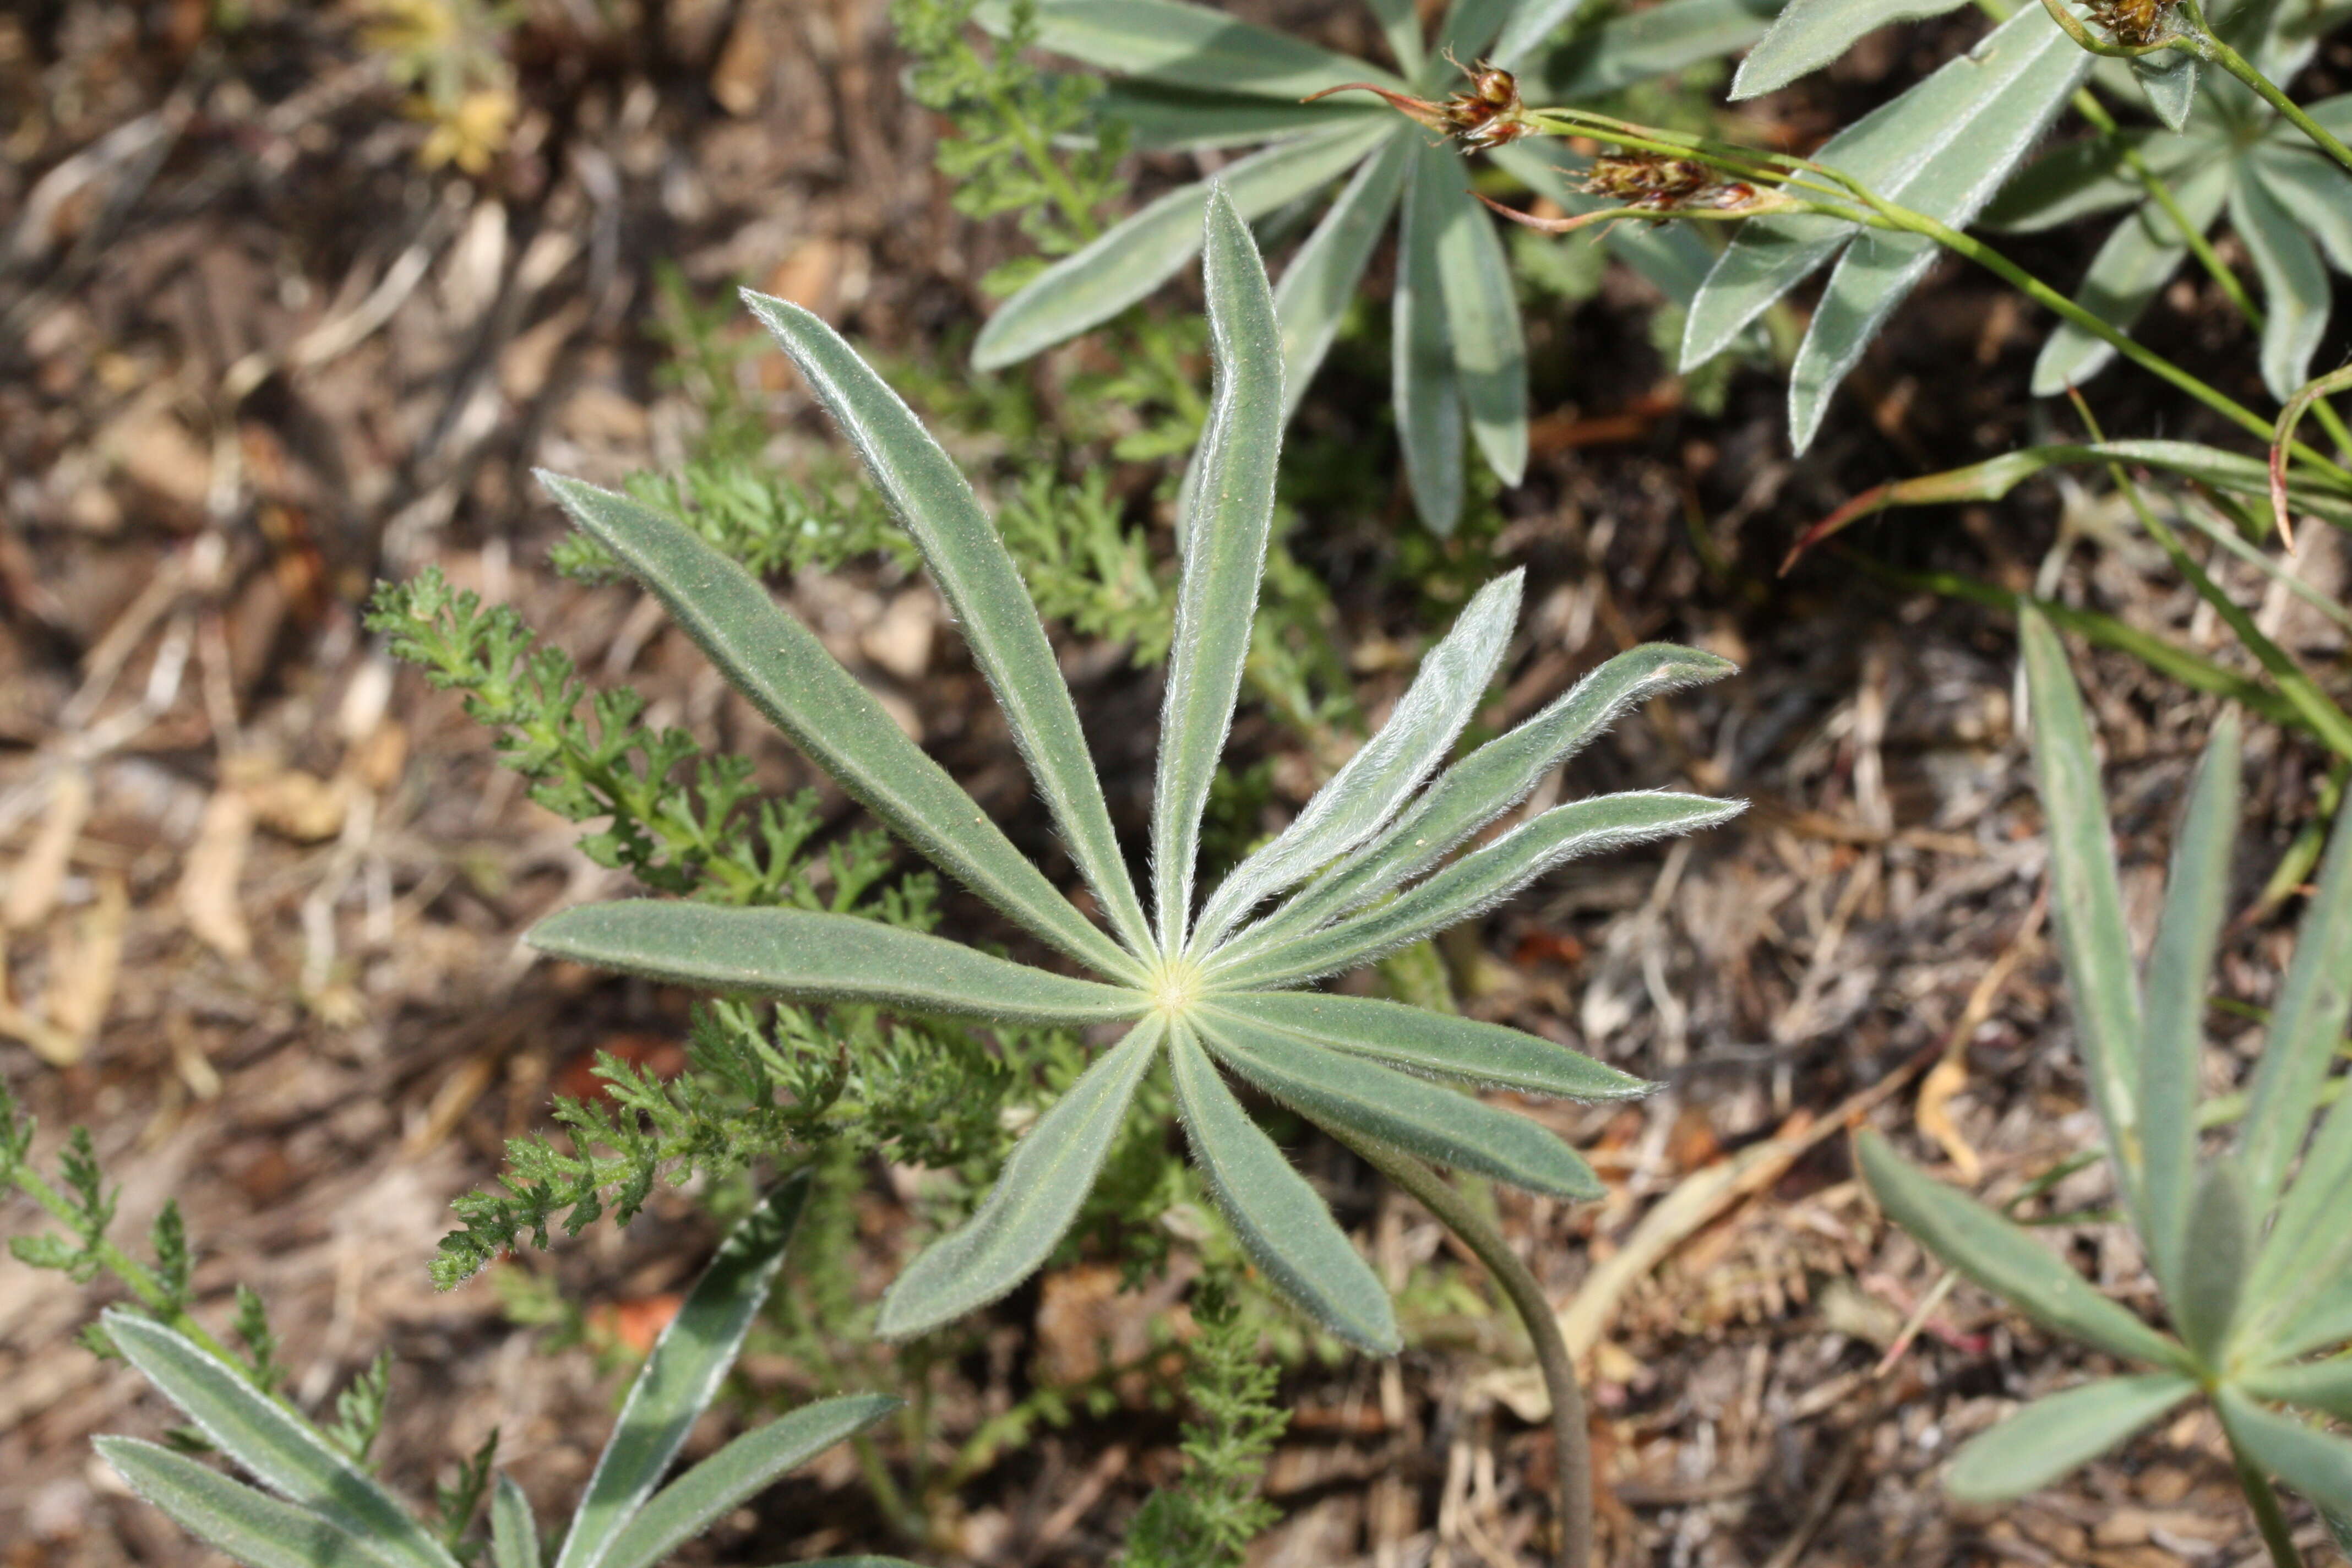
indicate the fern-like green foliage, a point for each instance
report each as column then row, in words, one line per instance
column 322, row 1509
column 1210, row 1515
column 2248, row 1245
column 1206, row 987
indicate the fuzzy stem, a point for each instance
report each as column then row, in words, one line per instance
column 123, row 1266
column 1572, row 1445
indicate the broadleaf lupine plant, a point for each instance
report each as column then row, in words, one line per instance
column 335, row 1514
column 1209, row 985
column 2251, row 1252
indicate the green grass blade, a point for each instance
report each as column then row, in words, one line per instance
column 682, row 1373
column 2322, row 1386
column 2129, row 271
column 1427, row 390
column 2295, row 290
column 1477, row 790
column 514, row 1530
column 1482, row 318
column 2179, row 976
column 2054, row 1434
column 2212, row 1266
column 1284, row 1225
column 2314, row 1463
column 1036, row 1197
column 2006, row 1258
column 744, row 1468
column 1373, row 785
column 983, row 591
column 2085, row 902
column 1433, row 1045
column 1185, row 46
column 1479, row 880
column 778, row 663
column 281, row 1450
column 1437, row 1123
column 1231, row 514
column 1321, row 281
column 231, row 1517
column 1139, row 253
column 807, row 956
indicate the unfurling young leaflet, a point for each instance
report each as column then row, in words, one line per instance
column 1209, row 987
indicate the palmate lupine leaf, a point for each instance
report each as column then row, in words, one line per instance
column 1190, row 76
column 338, row 1517
column 1367, row 834
column 2246, row 1306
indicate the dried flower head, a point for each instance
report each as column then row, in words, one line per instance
column 1655, row 183
column 1488, row 115
column 2136, row 23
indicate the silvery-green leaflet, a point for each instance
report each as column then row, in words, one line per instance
column 1194, row 78
column 335, row 1514
column 1207, row 985
column 2248, row 1245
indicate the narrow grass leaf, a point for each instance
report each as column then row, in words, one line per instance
column 2212, row 1266
column 1231, row 514
column 1433, row 1045
column 1437, row 1123
column 1184, row 46
column 514, row 1528
column 2005, row 1258
column 740, row 1471
column 2085, row 902
column 2314, row 1463
column 1036, row 1197
column 250, row 1526
column 2180, row 975
column 2322, row 1386
column 807, row 956
column 1321, row 281
column 2131, row 269
column 1284, row 1225
column 682, row 1373
column 1479, row 788
column 1427, row 389
column 1481, row 879
column 1482, row 319
column 283, row 1452
column 777, row 663
column 1371, row 786
column 1809, row 33
column 1635, row 45
column 1137, row 255
column 982, row 587
column 2295, row 292
column 2054, row 1434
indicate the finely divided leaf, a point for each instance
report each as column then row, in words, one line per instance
column 1491, row 780
column 744, row 1468
column 1434, row 1045
column 2179, row 970
column 808, row 956
column 1185, row 46
column 1368, row 790
column 1437, row 1123
column 1428, row 391
column 1036, row 1197
column 1285, row 1227
column 2085, row 902
column 1470, row 26
column 1481, row 879
column 2005, row 1258
column 1231, row 512
column 982, row 588
column 1139, row 253
column 2054, row 1434
column 231, row 1517
column 684, row 1371
column 778, row 663
column 282, row 1450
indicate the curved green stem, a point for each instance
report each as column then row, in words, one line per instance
column 1458, row 1215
